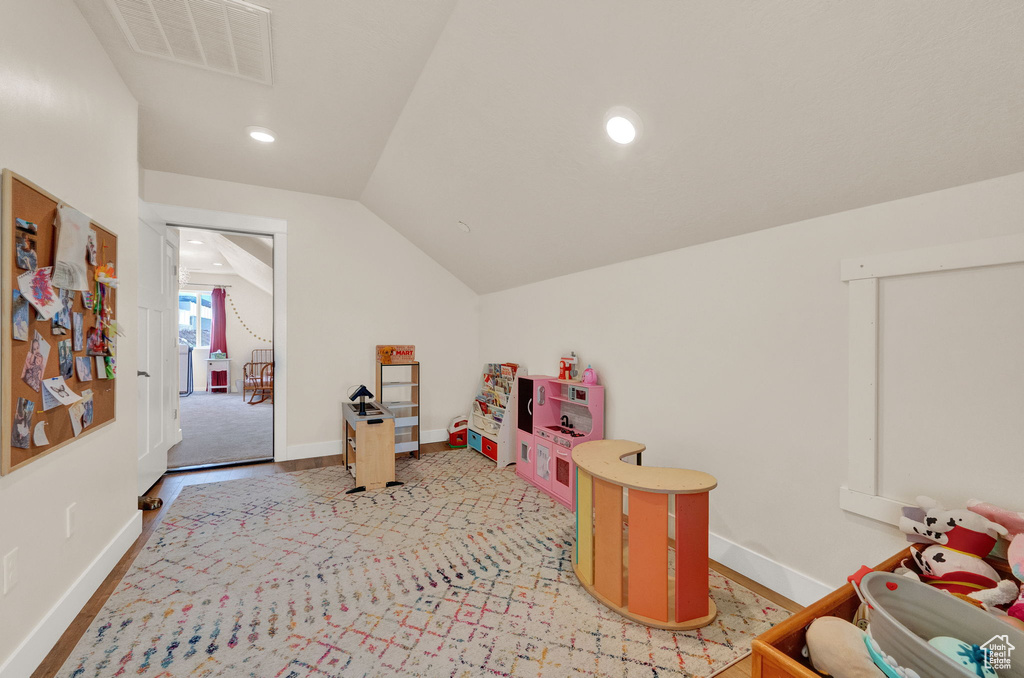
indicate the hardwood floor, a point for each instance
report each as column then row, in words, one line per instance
column 168, row 488
column 742, row 669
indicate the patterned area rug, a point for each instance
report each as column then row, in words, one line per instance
column 463, row 571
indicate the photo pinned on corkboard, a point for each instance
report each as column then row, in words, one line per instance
column 83, row 365
column 19, row 317
column 25, row 246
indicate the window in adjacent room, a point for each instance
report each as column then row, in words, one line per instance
column 195, row 317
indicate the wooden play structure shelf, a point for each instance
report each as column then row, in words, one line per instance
column 400, row 394
column 626, row 558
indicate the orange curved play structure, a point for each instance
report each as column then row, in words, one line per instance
column 626, row 554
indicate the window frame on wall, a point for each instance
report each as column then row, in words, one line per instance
column 196, row 320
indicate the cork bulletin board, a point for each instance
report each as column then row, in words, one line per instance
column 23, row 200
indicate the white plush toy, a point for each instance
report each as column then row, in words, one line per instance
column 960, row 529
column 958, row 541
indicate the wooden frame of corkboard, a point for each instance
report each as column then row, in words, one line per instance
column 24, row 200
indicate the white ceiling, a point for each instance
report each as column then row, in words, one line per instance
column 201, row 256
column 343, row 69
column 199, row 251
column 755, row 114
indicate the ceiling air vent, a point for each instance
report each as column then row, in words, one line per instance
column 227, row 36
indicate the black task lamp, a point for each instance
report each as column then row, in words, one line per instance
column 362, row 393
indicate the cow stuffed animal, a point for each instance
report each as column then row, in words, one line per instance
column 959, row 529
column 957, row 541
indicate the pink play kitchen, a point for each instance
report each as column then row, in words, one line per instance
column 554, row 416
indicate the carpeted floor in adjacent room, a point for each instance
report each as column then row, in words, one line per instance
column 221, row 427
column 463, row 571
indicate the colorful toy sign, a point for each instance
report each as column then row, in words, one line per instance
column 395, row 355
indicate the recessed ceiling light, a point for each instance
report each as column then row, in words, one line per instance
column 217, row 263
column 621, row 130
column 196, row 242
column 261, row 134
column 622, row 125
column 463, row 226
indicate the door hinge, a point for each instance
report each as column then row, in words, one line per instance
column 175, row 414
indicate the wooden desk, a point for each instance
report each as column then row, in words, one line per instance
column 370, row 446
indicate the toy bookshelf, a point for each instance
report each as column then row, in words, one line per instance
column 492, row 422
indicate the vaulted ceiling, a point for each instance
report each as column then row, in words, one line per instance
column 754, row 114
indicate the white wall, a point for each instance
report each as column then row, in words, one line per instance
column 353, row 282
column 951, row 383
column 69, row 125
column 731, row 358
column 256, row 309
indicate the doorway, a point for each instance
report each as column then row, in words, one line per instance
column 225, row 348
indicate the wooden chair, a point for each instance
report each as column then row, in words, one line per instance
column 258, row 376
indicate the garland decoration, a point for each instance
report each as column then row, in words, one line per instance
column 227, row 296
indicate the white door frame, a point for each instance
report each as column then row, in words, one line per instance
column 191, row 217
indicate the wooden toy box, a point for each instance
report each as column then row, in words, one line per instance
column 776, row 653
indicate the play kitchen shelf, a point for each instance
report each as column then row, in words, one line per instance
column 398, row 388
column 492, row 420
column 553, row 417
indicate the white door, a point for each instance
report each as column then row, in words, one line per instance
column 158, row 358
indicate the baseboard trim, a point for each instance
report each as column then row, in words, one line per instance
column 784, row 580
column 33, row 650
column 324, row 449
column 330, row 447
column 438, row 435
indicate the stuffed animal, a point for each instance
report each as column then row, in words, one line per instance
column 958, row 541
column 838, row 649
column 1013, row 523
column 953, row 570
column 958, row 529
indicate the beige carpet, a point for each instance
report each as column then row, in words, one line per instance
column 219, row 428
column 463, row 571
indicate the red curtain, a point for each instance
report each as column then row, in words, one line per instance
column 218, row 338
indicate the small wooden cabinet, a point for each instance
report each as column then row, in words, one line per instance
column 369, row 440
column 218, row 365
